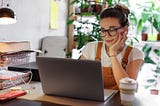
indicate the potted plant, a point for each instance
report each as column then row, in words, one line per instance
column 144, row 33
column 81, row 36
column 84, row 29
column 152, row 82
column 150, row 13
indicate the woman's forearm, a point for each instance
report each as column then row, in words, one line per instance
column 118, row 70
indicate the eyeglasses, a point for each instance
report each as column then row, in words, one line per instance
column 110, row 32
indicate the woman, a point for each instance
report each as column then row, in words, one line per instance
column 118, row 60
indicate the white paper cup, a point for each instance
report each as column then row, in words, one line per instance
column 128, row 87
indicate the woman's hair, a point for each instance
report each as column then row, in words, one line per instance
column 117, row 11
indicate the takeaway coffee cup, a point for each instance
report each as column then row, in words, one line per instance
column 128, row 87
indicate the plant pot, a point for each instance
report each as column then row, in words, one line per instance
column 144, row 36
column 154, row 91
column 98, row 9
column 152, row 37
column 94, row 8
column 158, row 36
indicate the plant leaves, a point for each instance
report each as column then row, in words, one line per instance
column 151, row 80
column 157, row 52
column 74, row 2
column 139, row 27
column 157, row 70
column 146, row 49
column 148, row 60
column 145, row 16
column 69, row 22
column 81, row 41
column 109, row 2
column 147, row 86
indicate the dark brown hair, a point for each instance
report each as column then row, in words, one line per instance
column 119, row 11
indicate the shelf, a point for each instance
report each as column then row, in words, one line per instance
column 153, row 44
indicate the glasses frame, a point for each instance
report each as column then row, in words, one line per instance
column 103, row 32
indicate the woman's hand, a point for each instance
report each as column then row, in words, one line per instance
column 118, row 45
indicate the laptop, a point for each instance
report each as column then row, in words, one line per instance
column 72, row 78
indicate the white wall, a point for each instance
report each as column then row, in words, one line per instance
column 33, row 22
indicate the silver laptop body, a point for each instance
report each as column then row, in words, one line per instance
column 72, row 78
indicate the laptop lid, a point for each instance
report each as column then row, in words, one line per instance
column 71, row 78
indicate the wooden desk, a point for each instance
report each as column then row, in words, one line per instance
column 36, row 98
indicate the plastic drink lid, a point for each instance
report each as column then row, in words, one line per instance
column 128, row 81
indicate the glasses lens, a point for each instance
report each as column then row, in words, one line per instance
column 103, row 32
column 112, row 32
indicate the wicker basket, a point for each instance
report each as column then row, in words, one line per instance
column 14, row 58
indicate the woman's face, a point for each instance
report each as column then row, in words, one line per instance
column 110, row 28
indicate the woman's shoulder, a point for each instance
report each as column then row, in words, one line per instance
column 133, row 48
column 136, row 52
column 136, row 49
column 89, row 50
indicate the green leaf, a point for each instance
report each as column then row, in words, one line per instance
column 136, row 39
column 86, row 14
column 157, row 69
column 155, row 75
column 147, row 86
column 81, row 41
column 69, row 22
column 146, row 16
column 133, row 18
column 157, row 52
column 84, row 5
column 151, row 80
column 109, row 2
column 146, row 49
column 148, row 60
column 156, row 25
column 74, row 2
column 139, row 27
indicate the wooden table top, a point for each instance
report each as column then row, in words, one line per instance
column 36, row 97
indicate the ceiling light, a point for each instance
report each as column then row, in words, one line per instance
column 7, row 16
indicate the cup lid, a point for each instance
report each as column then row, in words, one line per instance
column 128, row 81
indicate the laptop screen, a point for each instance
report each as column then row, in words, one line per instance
column 71, row 78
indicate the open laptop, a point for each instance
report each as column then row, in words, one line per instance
column 72, row 78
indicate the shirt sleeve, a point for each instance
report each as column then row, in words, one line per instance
column 136, row 54
column 89, row 50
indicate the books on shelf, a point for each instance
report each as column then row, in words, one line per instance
column 12, row 78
